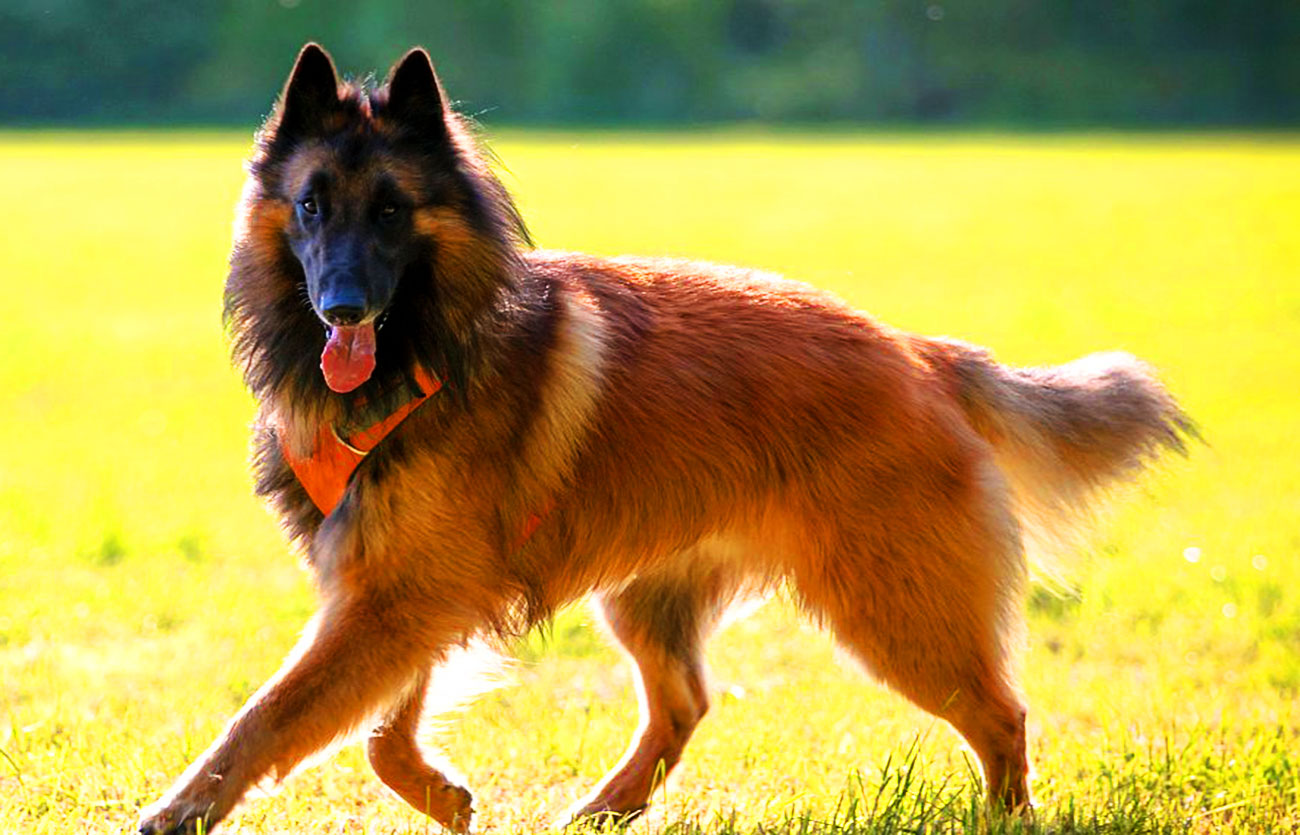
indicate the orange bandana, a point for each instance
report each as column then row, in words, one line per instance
column 338, row 452
column 336, row 455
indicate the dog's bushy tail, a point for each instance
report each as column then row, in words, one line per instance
column 1063, row 434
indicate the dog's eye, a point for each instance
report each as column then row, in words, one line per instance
column 388, row 210
column 309, row 205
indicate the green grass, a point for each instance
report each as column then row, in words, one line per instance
column 144, row 593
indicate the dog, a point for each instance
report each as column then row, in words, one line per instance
column 463, row 433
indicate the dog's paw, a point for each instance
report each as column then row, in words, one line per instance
column 429, row 792
column 174, row 818
column 453, row 807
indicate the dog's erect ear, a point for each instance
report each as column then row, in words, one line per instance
column 415, row 96
column 310, row 95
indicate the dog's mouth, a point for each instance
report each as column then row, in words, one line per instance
column 349, row 356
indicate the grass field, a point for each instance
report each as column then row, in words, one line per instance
column 144, row 593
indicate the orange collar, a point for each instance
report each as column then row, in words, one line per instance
column 336, row 454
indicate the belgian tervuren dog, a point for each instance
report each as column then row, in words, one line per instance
column 463, row 434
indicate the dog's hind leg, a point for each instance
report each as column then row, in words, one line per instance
column 662, row 622
column 929, row 603
column 948, row 666
column 395, row 755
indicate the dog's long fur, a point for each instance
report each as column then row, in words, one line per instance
column 684, row 431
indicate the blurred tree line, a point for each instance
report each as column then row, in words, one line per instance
column 1013, row 62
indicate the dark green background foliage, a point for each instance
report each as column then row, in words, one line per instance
column 1013, row 62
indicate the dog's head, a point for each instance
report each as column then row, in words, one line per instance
column 375, row 205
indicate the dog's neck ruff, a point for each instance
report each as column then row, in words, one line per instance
column 339, row 449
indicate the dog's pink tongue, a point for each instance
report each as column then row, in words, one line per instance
column 349, row 357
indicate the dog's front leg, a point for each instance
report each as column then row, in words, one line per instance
column 359, row 657
column 398, row 760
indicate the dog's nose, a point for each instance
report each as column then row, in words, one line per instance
column 344, row 314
